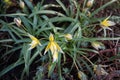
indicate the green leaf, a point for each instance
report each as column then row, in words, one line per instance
column 102, row 7
column 10, row 67
column 26, row 55
column 12, row 50
column 63, row 6
column 29, row 4
column 87, row 66
column 51, row 69
column 12, row 15
column 46, row 12
column 94, row 39
column 6, row 40
column 26, row 23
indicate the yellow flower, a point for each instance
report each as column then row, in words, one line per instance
column 34, row 42
column 90, row 3
column 54, row 48
column 68, row 36
column 106, row 23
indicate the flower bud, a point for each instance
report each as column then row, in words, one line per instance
column 98, row 70
column 90, row 3
column 98, row 45
column 22, row 4
column 17, row 21
column 82, row 75
column 68, row 36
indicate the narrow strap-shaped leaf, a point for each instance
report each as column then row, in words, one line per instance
column 10, row 67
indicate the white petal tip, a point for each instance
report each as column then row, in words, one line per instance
column 111, row 23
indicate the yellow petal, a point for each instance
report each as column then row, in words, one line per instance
column 32, row 37
column 104, row 24
column 35, row 39
column 58, row 48
column 51, row 38
column 33, row 44
column 47, row 48
column 106, row 19
column 55, row 56
column 53, row 47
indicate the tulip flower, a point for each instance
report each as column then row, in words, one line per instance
column 106, row 23
column 54, row 48
column 34, row 42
